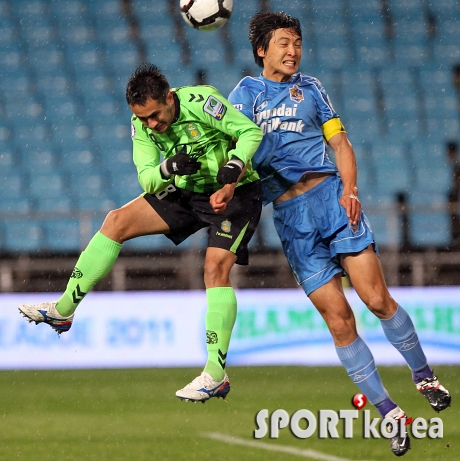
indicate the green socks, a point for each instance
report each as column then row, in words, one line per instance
column 92, row 266
column 220, row 318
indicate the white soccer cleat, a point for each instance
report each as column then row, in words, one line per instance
column 47, row 313
column 400, row 442
column 204, row 387
column 435, row 393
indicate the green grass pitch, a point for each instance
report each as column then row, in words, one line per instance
column 133, row 414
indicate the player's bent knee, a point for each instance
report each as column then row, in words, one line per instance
column 116, row 225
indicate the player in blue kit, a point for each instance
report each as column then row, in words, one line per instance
column 317, row 213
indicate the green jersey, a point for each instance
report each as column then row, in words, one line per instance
column 206, row 125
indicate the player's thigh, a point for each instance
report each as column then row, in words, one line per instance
column 132, row 220
column 366, row 275
column 330, row 301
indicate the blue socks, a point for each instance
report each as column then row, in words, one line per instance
column 359, row 363
column 400, row 331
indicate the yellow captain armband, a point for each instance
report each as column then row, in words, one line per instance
column 332, row 127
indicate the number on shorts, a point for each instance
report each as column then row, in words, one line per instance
column 161, row 195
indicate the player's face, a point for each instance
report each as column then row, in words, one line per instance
column 282, row 56
column 156, row 115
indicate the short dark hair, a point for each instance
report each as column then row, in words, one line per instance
column 262, row 26
column 147, row 82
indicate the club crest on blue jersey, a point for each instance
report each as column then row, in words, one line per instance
column 215, row 108
column 296, row 93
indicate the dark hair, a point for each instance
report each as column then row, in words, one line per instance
column 262, row 26
column 147, row 82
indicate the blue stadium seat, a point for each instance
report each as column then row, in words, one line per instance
column 103, row 203
column 62, row 235
column 407, row 9
column 114, row 142
column 39, row 160
column 430, row 222
column 378, row 206
column 15, row 205
column 410, row 40
column 61, row 204
column 79, row 161
column 92, row 184
column 151, row 243
column 392, row 168
column 47, row 185
column 23, row 236
column 71, row 135
column 224, row 78
column 11, row 184
column 125, row 186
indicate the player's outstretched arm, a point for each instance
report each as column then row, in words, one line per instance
column 346, row 164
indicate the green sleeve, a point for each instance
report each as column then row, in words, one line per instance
column 231, row 121
column 147, row 159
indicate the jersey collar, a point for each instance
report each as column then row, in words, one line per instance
column 176, row 107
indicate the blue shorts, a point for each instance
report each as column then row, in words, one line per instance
column 314, row 230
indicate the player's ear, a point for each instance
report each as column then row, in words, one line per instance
column 169, row 98
column 261, row 52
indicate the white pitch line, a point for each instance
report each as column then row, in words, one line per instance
column 311, row 454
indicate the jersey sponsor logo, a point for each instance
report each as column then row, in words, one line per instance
column 238, row 106
column 270, row 120
column 215, row 108
column 222, row 234
column 296, row 94
column 133, row 131
column 226, row 226
column 192, row 131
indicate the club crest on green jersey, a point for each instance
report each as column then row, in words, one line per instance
column 226, row 226
column 215, row 108
column 192, row 131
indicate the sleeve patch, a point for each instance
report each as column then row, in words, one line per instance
column 133, row 131
column 238, row 106
column 215, row 108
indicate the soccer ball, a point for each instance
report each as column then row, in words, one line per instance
column 206, row 15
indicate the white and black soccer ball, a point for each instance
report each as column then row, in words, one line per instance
column 206, row 15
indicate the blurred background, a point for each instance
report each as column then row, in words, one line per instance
column 392, row 71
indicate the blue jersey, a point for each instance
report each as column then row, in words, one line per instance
column 295, row 118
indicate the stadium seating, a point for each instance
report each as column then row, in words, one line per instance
column 64, row 124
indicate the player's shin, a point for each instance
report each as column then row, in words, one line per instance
column 400, row 331
column 92, row 266
column 220, row 319
column 359, row 363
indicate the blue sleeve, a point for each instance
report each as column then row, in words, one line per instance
column 242, row 99
column 325, row 111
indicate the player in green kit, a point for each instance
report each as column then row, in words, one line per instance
column 194, row 175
